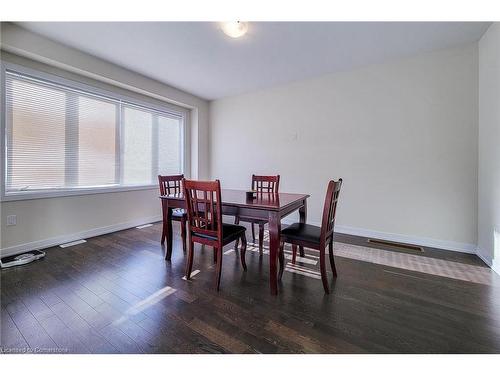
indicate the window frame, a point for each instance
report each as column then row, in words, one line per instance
column 164, row 108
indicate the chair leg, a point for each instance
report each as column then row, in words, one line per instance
column 281, row 258
column 294, row 253
column 332, row 262
column 219, row 268
column 253, row 232
column 237, row 242
column 189, row 262
column 243, row 250
column 163, row 233
column 183, row 234
column 301, row 251
column 162, row 241
column 215, row 255
column 261, row 238
column 322, row 266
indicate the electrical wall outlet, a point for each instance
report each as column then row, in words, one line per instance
column 11, row 220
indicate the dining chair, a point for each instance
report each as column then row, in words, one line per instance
column 173, row 185
column 205, row 226
column 262, row 185
column 314, row 237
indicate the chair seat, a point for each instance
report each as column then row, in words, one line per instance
column 179, row 213
column 302, row 232
column 229, row 232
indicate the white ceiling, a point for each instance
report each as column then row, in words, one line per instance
column 198, row 58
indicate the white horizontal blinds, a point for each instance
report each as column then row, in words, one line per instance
column 60, row 137
column 36, row 117
column 152, row 144
column 137, row 146
column 97, row 133
column 170, row 145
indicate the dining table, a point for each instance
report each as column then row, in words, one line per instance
column 272, row 207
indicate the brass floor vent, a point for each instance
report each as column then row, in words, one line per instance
column 396, row 245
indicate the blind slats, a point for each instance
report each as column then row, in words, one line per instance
column 60, row 137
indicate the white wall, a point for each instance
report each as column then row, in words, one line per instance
column 489, row 150
column 402, row 135
column 45, row 222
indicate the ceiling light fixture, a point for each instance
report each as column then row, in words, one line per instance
column 234, row 29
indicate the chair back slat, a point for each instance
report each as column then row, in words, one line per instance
column 330, row 208
column 266, row 184
column 170, row 184
column 204, row 207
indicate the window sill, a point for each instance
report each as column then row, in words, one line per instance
column 55, row 193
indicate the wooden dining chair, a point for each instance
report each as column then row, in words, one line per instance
column 314, row 237
column 205, row 226
column 262, row 185
column 173, row 185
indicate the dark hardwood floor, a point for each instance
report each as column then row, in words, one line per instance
column 116, row 294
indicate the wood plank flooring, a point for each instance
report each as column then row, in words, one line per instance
column 116, row 294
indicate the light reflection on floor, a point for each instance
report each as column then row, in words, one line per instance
column 147, row 302
column 418, row 263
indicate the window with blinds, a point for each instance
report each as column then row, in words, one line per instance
column 59, row 137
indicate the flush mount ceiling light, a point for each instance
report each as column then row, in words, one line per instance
column 234, row 29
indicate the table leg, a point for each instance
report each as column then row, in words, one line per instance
column 274, row 243
column 164, row 221
column 303, row 219
column 167, row 225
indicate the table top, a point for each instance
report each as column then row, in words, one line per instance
column 263, row 201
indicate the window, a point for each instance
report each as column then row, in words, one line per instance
column 137, row 145
column 60, row 137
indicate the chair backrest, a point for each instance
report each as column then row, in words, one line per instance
column 265, row 184
column 170, row 184
column 330, row 208
column 204, row 207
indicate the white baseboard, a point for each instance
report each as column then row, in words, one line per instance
column 494, row 264
column 484, row 258
column 55, row 241
column 420, row 241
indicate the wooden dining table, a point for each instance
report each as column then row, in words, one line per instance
column 270, row 206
